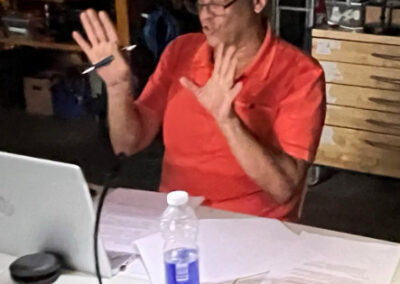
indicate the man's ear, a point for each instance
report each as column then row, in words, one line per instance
column 259, row 5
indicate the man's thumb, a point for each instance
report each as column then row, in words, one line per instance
column 236, row 89
column 188, row 84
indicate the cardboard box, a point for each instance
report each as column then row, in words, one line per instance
column 38, row 95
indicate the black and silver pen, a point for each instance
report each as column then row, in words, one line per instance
column 106, row 60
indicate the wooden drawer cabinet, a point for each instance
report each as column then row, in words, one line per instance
column 374, row 54
column 362, row 127
column 369, row 120
column 364, row 98
column 360, row 151
column 361, row 75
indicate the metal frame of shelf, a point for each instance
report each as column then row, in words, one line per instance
column 308, row 9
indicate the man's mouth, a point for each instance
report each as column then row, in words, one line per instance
column 207, row 30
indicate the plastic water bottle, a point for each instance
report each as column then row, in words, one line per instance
column 179, row 228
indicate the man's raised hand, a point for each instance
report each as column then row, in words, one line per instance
column 102, row 42
column 218, row 93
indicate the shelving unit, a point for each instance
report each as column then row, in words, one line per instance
column 308, row 9
column 362, row 130
column 40, row 44
column 122, row 17
column 122, row 25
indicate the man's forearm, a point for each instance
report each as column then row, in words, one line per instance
column 275, row 172
column 124, row 119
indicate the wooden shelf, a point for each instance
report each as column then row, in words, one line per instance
column 58, row 1
column 41, row 44
column 354, row 36
column 122, row 25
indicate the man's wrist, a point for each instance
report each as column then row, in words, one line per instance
column 125, row 79
column 123, row 86
column 120, row 85
column 229, row 124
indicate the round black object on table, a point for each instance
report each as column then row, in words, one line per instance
column 38, row 268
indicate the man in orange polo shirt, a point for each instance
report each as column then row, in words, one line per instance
column 241, row 110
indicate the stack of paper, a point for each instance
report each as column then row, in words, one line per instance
column 339, row 261
column 232, row 249
column 229, row 249
column 255, row 250
column 129, row 215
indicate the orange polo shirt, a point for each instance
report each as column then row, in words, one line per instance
column 282, row 103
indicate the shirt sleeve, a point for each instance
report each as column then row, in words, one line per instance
column 301, row 113
column 155, row 94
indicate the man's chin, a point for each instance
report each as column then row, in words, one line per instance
column 213, row 41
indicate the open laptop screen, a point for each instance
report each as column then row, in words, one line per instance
column 46, row 206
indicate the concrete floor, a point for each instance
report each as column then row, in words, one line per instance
column 356, row 203
column 349, row 202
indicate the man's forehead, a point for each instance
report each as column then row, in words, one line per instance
column 211, row 1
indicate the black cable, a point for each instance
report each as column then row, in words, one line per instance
column 107, row 182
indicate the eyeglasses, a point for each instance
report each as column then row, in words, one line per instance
column 217, row 9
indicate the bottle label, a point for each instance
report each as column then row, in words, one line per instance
column 182, row 272
column 182, row 266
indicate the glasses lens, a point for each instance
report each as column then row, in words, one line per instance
column 215, row 9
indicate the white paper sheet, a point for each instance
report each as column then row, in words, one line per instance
column 135, row 269
column 132, row 214
column 374, row 262
column 228, row 249
column 337, row 261
column 317, row 270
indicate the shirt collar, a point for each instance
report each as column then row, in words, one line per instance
column 203, row 56
column 259, row 66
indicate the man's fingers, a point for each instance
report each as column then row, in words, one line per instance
column 108, row 26
column 226, row 65
column 88, row 27
column 230, row 75
column 84, row 45
column 236, row 90
column 190, row 85
column 218, row 59
column 97, row 25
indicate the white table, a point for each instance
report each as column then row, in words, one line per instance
column 71, row 277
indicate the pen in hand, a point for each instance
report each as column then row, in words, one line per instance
column 107, row 60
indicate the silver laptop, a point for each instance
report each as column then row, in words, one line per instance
column 46, row 206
